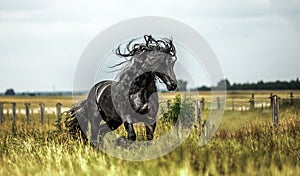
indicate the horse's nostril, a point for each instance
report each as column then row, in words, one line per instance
column 175, row 86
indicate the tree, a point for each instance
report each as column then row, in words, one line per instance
column 10, row 92
column 182, row 85
column 223, row 83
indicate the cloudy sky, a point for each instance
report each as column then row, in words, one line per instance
column 41, row 41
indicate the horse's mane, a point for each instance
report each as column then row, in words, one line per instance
column 150, row 44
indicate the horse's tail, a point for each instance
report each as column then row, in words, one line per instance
column 76, row 121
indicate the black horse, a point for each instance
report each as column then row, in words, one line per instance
column 132, row 96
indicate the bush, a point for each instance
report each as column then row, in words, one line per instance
column 171, row 115
column 180, row 108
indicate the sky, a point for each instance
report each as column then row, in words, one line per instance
column 42, row 41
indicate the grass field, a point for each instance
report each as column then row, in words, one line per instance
column 245, row 144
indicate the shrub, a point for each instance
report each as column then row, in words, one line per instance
column 180, row 108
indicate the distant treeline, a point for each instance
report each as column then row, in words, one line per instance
column 11, row 92
column 260, row 85
column 182, row 86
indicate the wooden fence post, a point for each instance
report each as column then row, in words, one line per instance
column 219, row 102
column 13, row 115
column 251, row 101
column 1, row 113
column 168, row 105
column 27, row 107
column 292, row 98
column 232, row 101
column 275, row 110
column 271, row 100
column 42, row 110
column 58, row 112
column 198, row 113
column 203, row 103
column 205, row 130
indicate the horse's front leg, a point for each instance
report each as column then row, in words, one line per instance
column 150, row 131
column 150, row 124
column 130, row 131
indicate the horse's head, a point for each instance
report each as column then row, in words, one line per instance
column 162, row 65
column 155, row 55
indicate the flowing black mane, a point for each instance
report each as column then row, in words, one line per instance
column 151, row 44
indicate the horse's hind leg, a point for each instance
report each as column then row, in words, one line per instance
column 95, row 127
column 94, row 116
column 150, row 130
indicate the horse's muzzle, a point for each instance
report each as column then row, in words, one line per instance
column 171, row 86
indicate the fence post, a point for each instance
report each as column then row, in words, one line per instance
column 203, row 103
column 168, row 105
column 27, row 107
column 205, row 130
column 219, row 103
column 251, row 101
column 42, row 110
column 13, row 116
column 198, row 113
column 232, row 101
column 271, row 100
column 1, row 113
column 275, row 110
column 292, row 98
column 58, row 112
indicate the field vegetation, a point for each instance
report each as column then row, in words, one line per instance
column 246, row 143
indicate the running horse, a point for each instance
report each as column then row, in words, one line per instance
column 132, row 96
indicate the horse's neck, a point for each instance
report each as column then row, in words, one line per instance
column 144, row 84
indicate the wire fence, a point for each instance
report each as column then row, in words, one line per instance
column 27, row 110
